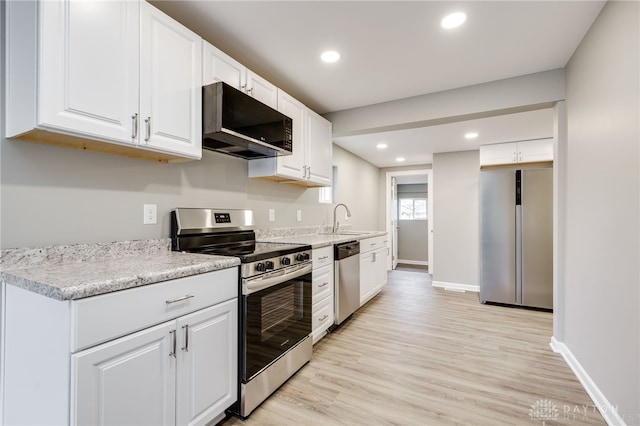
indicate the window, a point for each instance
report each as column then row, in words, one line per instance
column 328, row 194
column 412, row 209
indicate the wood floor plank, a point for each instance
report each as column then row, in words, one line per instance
column 419, row 355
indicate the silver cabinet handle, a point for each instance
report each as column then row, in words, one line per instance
column 134, row 126
column 148, row 123
column 324, row 284
column 186, row 338
column 323, row 257
column 324, row 317
column 250, row 91
column 173, row 335
column 179, row 299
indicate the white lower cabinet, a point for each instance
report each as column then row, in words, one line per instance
column 128, row 381
column 180, row 372
column 160, row 354
column 373, row 269
column 322, row 293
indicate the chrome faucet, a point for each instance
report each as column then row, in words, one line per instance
column 335, row 227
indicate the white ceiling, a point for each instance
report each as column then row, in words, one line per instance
column 393, row 50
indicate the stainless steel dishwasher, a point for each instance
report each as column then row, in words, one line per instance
column 347, row 279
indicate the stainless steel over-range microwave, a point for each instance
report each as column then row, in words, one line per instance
column 237, row 124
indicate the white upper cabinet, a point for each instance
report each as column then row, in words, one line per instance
column 170, row 85
column 319, row 149
column 218, row 66
column 83, row 73
column 531, row 151
column 294, row 165
column 311, row 163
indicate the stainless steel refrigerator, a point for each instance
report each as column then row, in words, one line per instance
column 516, row 236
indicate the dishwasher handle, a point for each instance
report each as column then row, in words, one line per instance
column 344, row 250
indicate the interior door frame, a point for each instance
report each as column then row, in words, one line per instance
column 388, row 206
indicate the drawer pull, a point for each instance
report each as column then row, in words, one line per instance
column 324, row 284
column 173, row 352
column 186, row 338
column 179, row 299
column 323, row 257
column 324, row 317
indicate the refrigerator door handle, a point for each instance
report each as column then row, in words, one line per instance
column 519, row 257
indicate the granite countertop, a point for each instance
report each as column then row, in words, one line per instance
column 322, row 239
column 78, row 271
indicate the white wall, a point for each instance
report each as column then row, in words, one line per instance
column 358, row 188
column 456, row 217
column 602, row 297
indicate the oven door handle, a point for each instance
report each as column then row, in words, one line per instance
column 253, row 285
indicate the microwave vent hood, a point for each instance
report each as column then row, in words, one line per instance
column 237, row 124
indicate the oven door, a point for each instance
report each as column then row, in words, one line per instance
column 277, row 315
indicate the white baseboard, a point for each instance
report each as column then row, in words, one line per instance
column 456, row 286
column 414, row 262
column 608, row 411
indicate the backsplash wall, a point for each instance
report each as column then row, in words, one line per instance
column 53, row 195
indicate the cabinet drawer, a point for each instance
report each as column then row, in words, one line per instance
column 322, row 314
column 374, row 243
column 101, row 318
column 322, row 257
column 322, row 283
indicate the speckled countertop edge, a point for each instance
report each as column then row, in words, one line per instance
column 320, row 240
column 78, row 271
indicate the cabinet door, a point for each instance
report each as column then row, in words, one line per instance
column 380, row 267
column 128, row 381
column 535, row 150
column 367, row 276
column 170, row 85
column 218, row 66
column 262, row 90
column 501, row 153
column 319, row 152
column 207, row 370
column 88, row 75
column 293, row 165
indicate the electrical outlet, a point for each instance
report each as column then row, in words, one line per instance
column 150, row 214
column 272, row 215
column 299, row 215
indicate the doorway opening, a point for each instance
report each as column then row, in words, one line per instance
column 410, row 180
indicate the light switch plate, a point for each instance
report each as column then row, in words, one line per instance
column 272, row 215
column 299, row 215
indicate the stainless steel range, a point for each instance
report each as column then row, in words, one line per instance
column 275, row 303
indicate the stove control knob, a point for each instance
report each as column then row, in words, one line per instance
column 300, row 257
column 306, row 256
column 268, row 264
column 260, row 267
column 285, row 261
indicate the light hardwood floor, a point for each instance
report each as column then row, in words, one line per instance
column 417, row 355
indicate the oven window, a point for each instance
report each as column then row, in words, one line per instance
column 280, row 309
column 276, row 319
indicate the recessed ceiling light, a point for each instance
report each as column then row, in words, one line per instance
column 330, row 56
column 471, row 135
column 400, row 159
column 453, row 20
column 381, row 146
